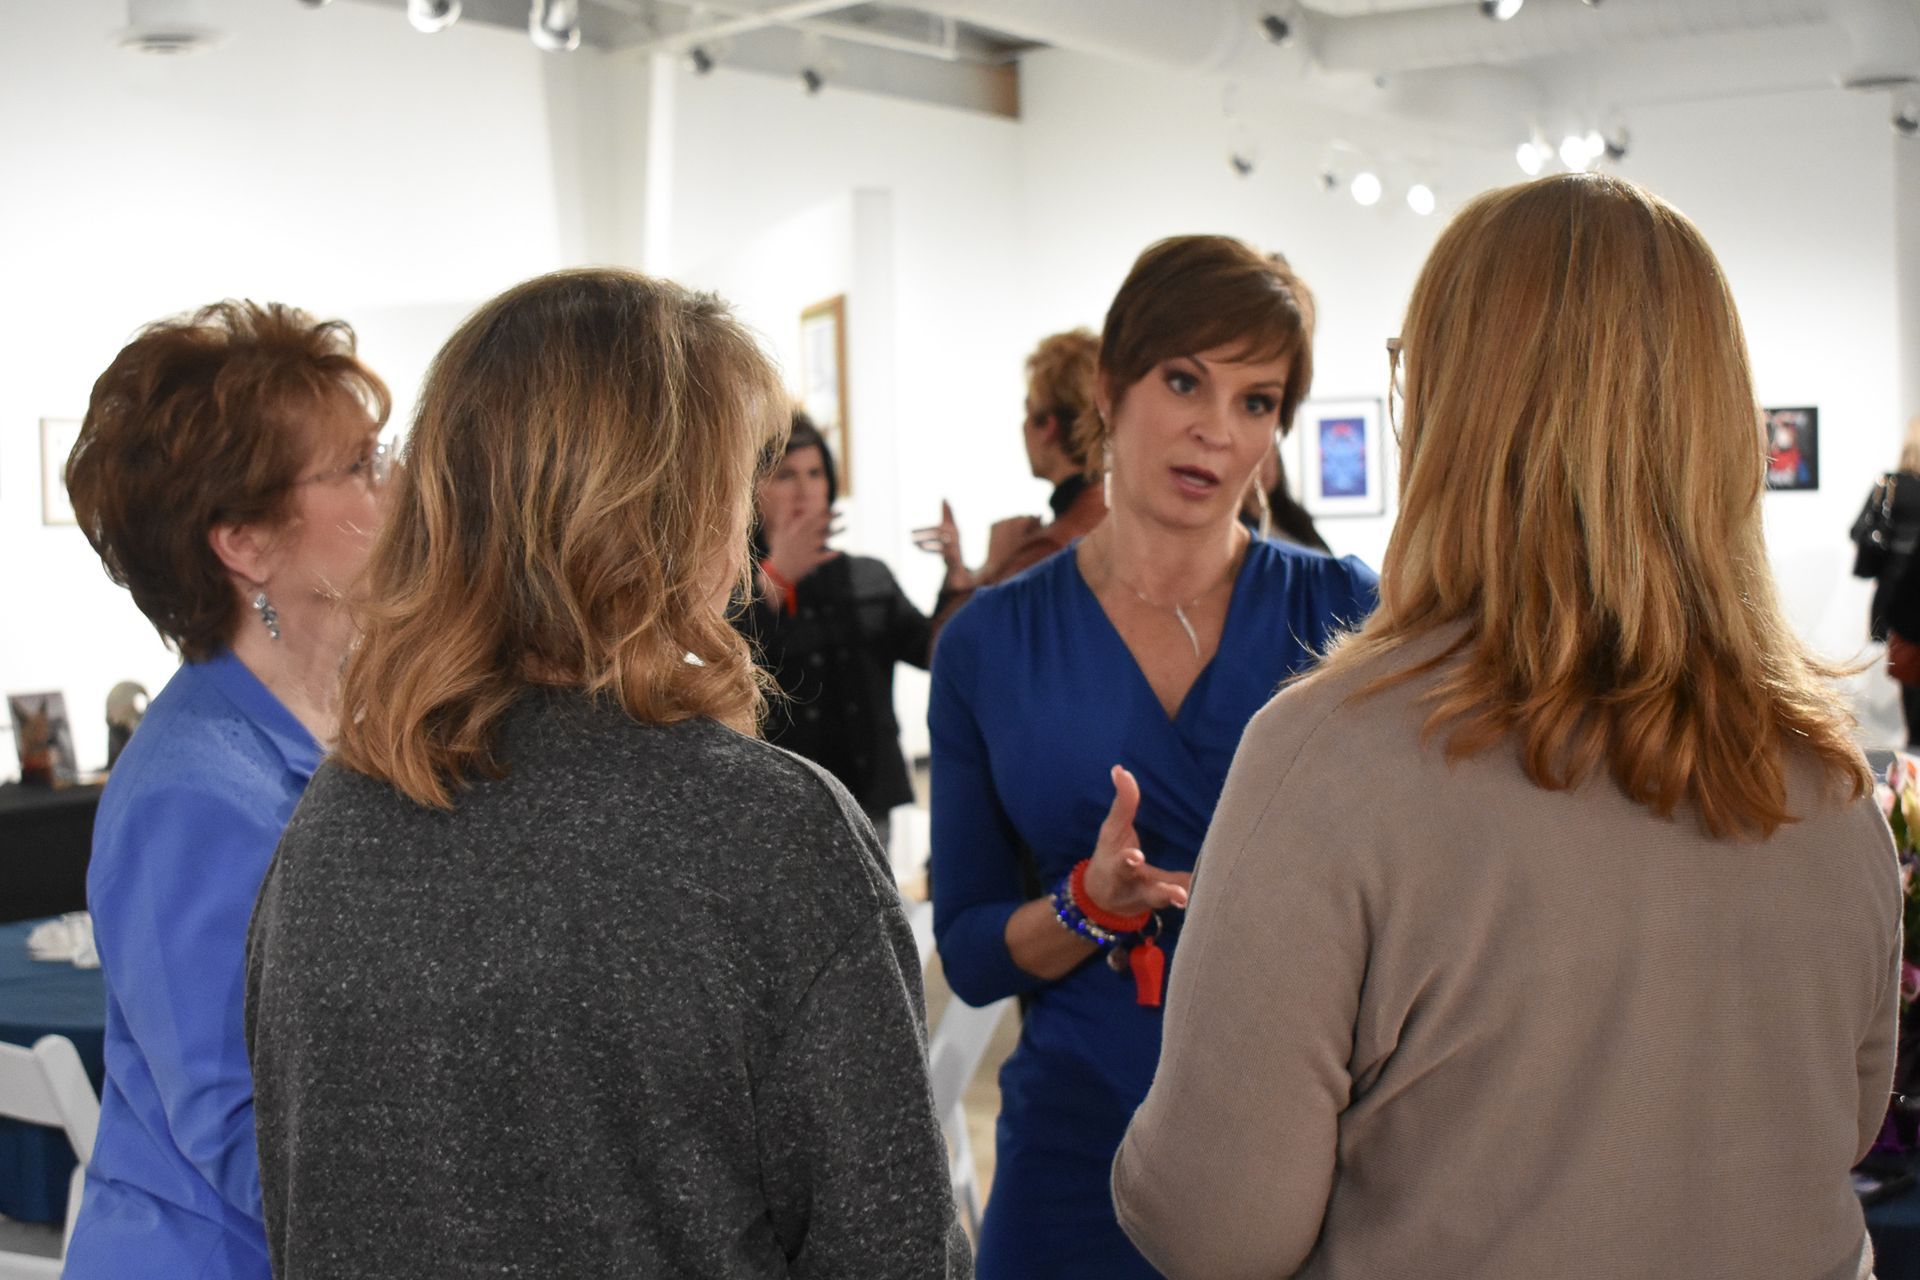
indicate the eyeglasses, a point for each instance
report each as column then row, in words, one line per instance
column 1396, row 386
column 375, row 466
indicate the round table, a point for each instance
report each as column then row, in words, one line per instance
column 38, row 998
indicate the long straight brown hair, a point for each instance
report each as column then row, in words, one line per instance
column 1582, row 467
column 576, row 492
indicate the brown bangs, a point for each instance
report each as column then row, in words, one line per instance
column 1190, row 294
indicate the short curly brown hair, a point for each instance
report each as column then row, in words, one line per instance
column 1060, row 375
column 198, row 422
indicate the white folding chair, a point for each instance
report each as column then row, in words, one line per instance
column 47, row 1085
column 920, row 919
column 958, row 1044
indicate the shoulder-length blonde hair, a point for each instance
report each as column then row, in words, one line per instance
column 576, row 489
column 1582, row 466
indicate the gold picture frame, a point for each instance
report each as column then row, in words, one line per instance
column 823, row 380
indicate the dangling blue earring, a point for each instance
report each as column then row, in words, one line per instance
column 269, row 616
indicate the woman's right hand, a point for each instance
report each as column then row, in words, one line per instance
column 1119, row 878
column 797, row 544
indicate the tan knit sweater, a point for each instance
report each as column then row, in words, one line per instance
column 1435, row 1021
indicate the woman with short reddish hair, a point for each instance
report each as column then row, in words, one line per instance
column 229, row 474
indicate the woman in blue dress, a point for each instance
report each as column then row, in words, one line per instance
column 229, row 473
column 1084, row 715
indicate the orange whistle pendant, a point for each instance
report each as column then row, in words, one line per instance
column 1149, row 964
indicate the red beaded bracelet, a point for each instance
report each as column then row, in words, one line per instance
column 1077, row 886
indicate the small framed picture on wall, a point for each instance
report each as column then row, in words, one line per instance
column 823, row 380
column 56, row 442
column 1342, row 469
column 1793, row 448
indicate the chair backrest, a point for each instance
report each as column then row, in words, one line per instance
column 920, row 920
column 48, row 1085
column 958, row 1044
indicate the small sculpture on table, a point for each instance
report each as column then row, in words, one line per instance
column 44, row 739
column 126, row 703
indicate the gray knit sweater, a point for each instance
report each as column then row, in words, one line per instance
column 647, row 1006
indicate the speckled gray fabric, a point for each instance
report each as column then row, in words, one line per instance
column 648, row 1006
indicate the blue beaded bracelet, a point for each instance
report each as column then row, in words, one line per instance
column 1071, row 917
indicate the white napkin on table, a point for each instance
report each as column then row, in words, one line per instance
column 67, row 939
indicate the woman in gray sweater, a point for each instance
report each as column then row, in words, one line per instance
column 1548, row 929
column 559, row 971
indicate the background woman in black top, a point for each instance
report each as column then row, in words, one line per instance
column 1896, row 591
column 830, row 628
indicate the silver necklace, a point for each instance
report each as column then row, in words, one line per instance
column 1179, row 611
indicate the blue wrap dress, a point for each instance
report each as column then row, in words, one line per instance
column 1035, row 697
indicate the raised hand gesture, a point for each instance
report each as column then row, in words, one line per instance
column 1119, row 878
column 797, row 543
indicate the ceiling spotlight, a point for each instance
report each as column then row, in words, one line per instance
column 554, row 25
column 429, row 16
column 1614, row 147
column 316, row 4
column 1275, row 28
column 1531, row 157
column 1420, row 199
column 1906, row 121
column 700, row 60
column 1500, row 10
column 1578, row 151
column 1241, row 163
column 812, row 79
column 1365, row 188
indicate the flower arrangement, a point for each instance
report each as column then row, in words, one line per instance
column 1899, row 796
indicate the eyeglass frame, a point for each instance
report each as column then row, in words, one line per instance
column 1396, row 386
column 378, row 463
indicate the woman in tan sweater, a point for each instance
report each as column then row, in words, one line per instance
column 1548, row 929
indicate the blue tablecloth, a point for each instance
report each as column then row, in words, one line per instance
column 36, row 999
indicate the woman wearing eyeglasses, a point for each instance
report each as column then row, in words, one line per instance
column 1549, row 927
column 229, row 474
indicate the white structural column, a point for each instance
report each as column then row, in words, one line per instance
column 1906, row 233
column 610, row 122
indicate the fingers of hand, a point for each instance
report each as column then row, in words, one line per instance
column 1126, row 794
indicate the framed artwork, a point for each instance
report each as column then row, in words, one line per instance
column 1341, row 460
column 823, row 379
column 56, row 442
column 1793, row 448
column 44, row 738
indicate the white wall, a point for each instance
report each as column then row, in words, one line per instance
column 1795, row 194
column 1906, row 198
column 333, row 159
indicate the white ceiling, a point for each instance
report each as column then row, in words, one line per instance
column 1354, row 8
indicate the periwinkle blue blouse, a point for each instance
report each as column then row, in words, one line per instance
column 186, row 828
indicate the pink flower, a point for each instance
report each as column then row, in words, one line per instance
column 1909, row 981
